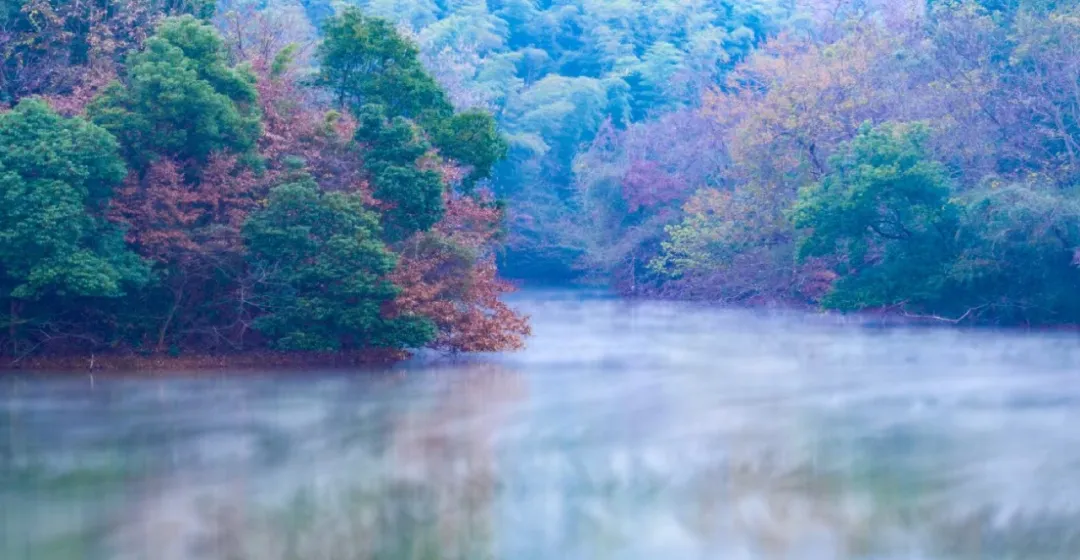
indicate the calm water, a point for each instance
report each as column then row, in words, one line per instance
column 625, row 431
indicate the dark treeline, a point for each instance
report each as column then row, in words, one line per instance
column 175, row 179
column 914, row 156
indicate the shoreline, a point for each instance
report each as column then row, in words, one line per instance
column 892, row 316
column 131, row 363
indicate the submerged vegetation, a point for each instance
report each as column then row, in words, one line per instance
column 170, row 186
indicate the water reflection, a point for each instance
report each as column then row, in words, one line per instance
column 427, row 490
column 628, row 431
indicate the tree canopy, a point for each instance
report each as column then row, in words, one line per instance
column 554, row 73
column 326, row 273
column 54, row 176
column 180, row 99
column 207, row 198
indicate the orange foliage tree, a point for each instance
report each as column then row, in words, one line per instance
column 191, row 230
column 449, row 275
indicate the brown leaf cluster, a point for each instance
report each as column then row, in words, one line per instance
column 445, row 276
column 170, row 219
column 298, row 126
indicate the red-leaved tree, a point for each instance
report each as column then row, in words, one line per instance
column 191, row 231
column 449, row 275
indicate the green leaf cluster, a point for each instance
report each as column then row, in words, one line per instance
column 55, row 173
column 901, row 234
column 886, row 212
column 365, row 61
column 180, row 98
column 325, row 269
column 414, row 195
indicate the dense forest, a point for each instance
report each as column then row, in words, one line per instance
column 916, row 157
column 323, row 175
column 172, row 184
column 556, row 74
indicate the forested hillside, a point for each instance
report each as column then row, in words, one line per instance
column 918, row 157
column 557, row 73
column 169, row 183
column 918, row 160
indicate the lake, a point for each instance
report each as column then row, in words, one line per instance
column 626, row 430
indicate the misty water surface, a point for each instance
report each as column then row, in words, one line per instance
column 638, row 430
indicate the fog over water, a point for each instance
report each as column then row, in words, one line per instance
column 626, row 430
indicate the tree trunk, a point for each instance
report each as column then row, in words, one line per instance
column 13, row 330
column 178, row 296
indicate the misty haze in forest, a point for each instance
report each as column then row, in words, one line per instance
column 219, row 178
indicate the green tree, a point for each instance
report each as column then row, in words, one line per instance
column 377, row 73
column 884, row 214
column 324, row 273
column 414, row 195
column 55, row 175
column 472, row 138
column 364, row 60
column 1019, row 258
column 180, row 99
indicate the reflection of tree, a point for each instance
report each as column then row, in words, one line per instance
column 871, row 492
column 404, row 467
column 1038, row 536
column 51, row 480
column 428, row 493
column 449, row 449
column 833, row 487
